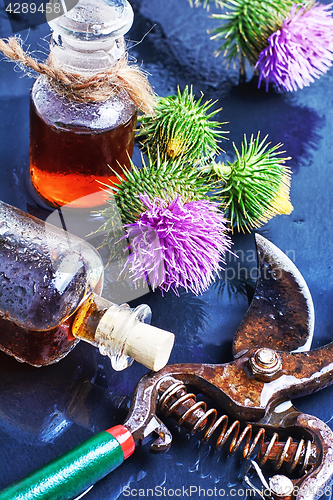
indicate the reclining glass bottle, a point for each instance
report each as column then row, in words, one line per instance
column 49, row 286
column 75, row 143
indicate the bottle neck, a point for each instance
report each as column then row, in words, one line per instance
column 86, row 58
column 89, row 38
column 122, row 333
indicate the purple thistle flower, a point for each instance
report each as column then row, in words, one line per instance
column 301, row 50
column 176, row 244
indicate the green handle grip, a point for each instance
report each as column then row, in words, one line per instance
column 72, row 473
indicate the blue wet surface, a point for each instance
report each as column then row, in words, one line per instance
column 43, row 412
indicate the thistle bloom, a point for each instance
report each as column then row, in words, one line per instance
column 176, row 244
column 301, row 50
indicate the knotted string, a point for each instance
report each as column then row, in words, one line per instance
column 95, row 88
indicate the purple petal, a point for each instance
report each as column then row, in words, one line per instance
column 300, row 51
column 177, row 244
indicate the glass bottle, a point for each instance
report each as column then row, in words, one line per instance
column 75, row 144
column 49, row 286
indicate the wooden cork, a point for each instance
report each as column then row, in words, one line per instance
column 149, row 345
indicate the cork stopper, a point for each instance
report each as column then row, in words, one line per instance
column 124, row 335
column 149, row 345
column 89, row 37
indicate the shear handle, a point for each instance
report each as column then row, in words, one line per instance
column 72, row 473
column 314, row 485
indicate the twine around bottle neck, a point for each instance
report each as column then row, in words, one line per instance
column 95, row 88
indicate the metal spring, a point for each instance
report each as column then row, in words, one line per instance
column 279, row 453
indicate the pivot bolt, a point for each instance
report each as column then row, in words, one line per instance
column 265, row 364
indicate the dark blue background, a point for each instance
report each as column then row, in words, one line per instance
column 45, row 411
column 23, row 14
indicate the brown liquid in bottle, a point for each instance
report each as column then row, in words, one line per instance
column 65, row 165
column 38, row 348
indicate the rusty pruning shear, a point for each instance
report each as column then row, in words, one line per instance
column 272, row 365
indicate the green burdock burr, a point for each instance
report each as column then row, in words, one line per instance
column 182, row 128
column 158, row 177
column 255, row 187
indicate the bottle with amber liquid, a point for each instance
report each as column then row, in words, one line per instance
column 74, row 144
column 50, row 281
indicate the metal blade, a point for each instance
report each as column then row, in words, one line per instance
column 281, row 314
